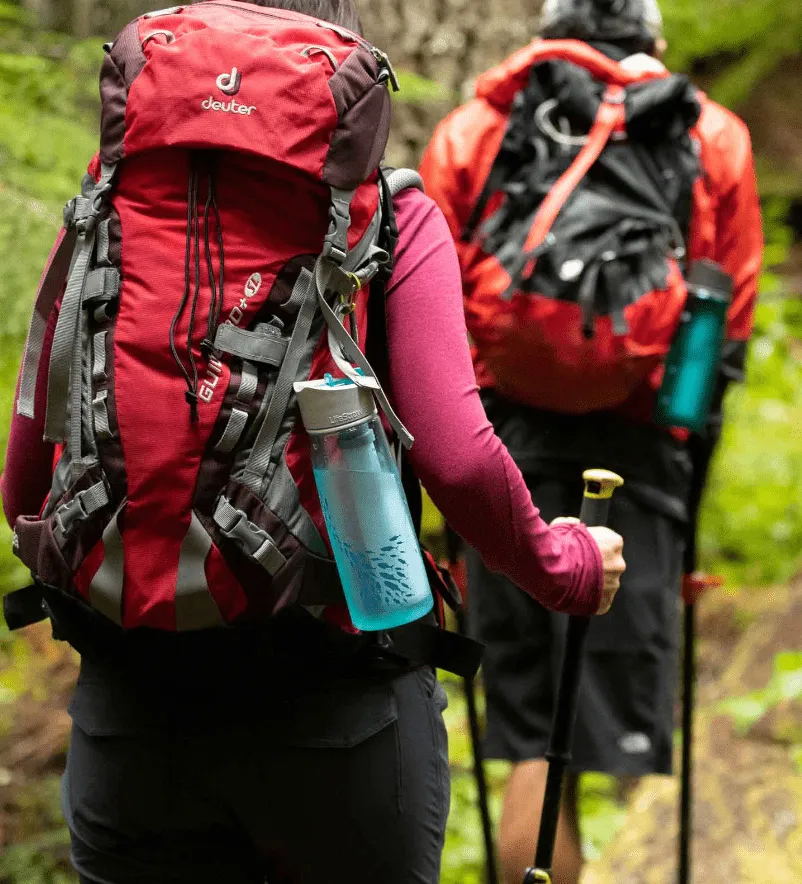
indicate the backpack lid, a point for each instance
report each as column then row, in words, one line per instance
column 499, row 85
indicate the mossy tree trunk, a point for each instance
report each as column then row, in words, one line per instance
column 449, row 42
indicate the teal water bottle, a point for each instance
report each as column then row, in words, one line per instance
column 687, row 390
column 367, row 517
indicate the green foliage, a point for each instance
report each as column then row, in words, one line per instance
column 751, row 527
column 785, row 685
column 463, row 861
column 47, row 136
column 740, row 40
column 43, row 857
column 602, row 814
column 419, row 90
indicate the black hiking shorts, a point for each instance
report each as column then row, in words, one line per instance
column 337, row 778
column 626, row 708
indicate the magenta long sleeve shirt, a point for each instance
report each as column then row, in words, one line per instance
column 463, row 465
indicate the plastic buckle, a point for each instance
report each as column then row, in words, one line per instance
column 335, row 245
column 69, row 213
column 67, row 515
column 245, row 534
column 255, row 542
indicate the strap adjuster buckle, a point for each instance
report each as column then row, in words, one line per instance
column 250, row 538
column 81, row 507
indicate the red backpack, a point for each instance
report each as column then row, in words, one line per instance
column 230, row 225
column 572, row 255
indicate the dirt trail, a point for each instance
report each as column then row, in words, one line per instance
column 748, row 811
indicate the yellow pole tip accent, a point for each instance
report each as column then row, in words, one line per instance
column 605, row 481
column 542, row 877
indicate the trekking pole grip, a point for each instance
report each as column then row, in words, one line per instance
column 600, row 485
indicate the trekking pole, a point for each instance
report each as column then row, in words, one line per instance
column 693, row 585
column 599, row 488
column 457, row 570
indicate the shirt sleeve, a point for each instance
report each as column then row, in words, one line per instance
column 461, row 462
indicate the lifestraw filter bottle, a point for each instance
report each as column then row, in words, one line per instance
column 690, row 376
column 374, row 541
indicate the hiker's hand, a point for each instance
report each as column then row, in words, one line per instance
column 611, row 546
column 612, row 551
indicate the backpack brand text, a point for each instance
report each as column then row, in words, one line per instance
column 228, row 107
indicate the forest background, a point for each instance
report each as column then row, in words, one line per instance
column 746, row 54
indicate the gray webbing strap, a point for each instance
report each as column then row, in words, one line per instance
column 283, row 499
column 233, row 431
column 67, row 329
column 259, row 459
column 99, row 363
column 262, row 347
column 195, row 607
column 346, row 353
column 106, row 588
column 238, row 419
column 100, row 415
column 100, row 412
column 249, row 537
column 103, row 240
column 78, row 390
column 52, row 283
column 366, row 248
column 249, row 383
column 66, row 358
column 102, row 284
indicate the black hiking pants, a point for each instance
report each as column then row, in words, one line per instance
column 289, row 777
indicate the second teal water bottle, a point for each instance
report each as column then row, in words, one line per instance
column 687, row 391
column 369, row 524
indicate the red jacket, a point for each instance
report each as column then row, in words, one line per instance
column 725, row 224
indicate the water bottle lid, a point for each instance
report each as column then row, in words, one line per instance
column 333, row 404
column 708, row 279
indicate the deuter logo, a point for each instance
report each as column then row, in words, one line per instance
column 228, row 107
column 229, row 83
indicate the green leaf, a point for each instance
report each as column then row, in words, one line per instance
column 744, row 710
column 416, row 89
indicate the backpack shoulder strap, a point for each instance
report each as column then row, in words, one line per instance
column 393, row 182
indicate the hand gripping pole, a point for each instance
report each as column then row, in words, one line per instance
column 599, row 488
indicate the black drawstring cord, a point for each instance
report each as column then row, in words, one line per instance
column 217, row 287
column 192, row 189
column 221, row 256
column 192, row 392
column 207, row 346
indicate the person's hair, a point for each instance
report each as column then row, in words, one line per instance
column 338, row 12
column 624, row 23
